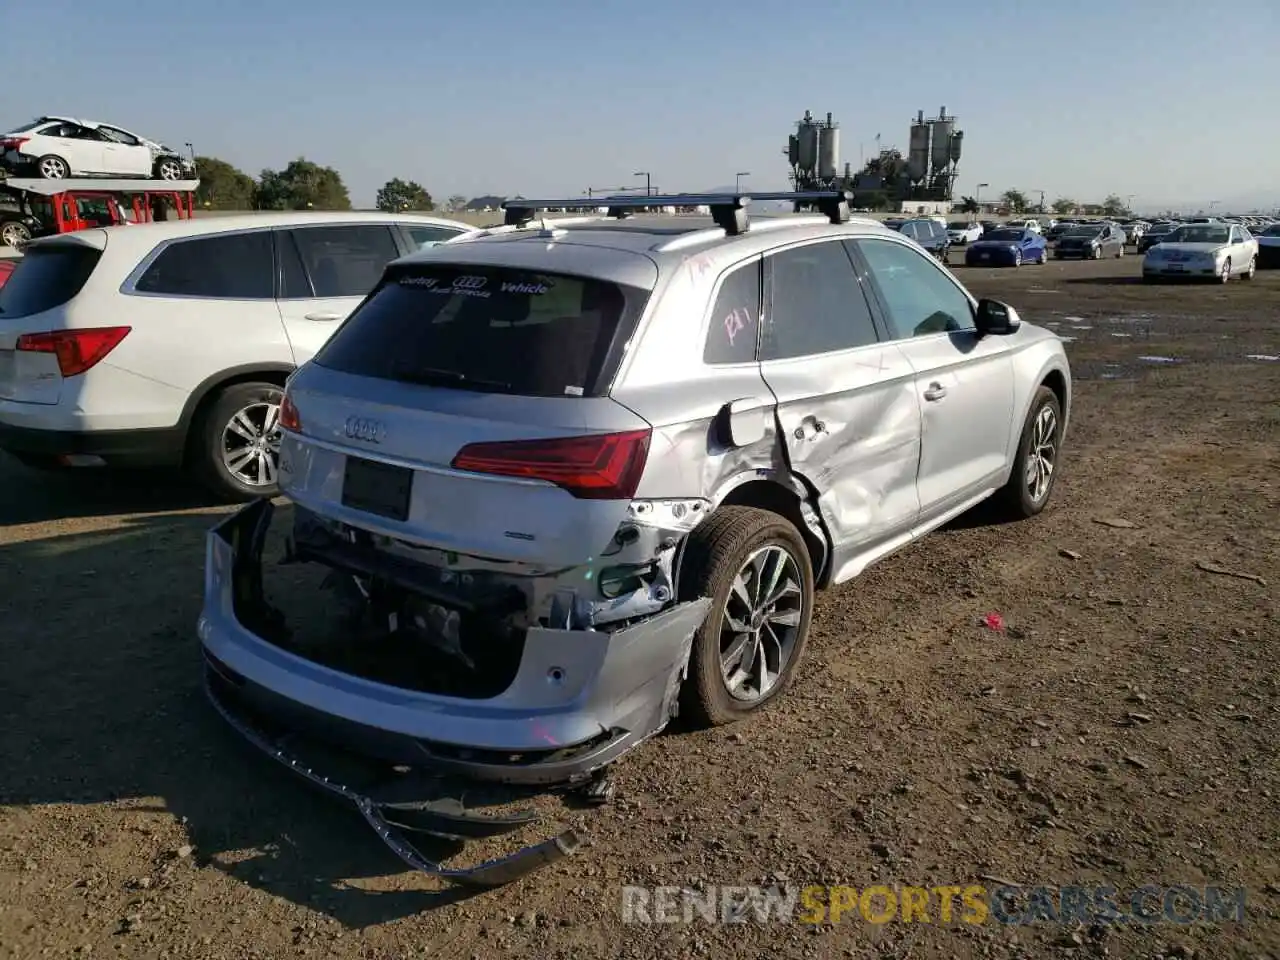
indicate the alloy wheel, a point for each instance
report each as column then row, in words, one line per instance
column 14, row 235
column 251, row 444
column 53, row 168
column 761, row 623
column 170, row 170
column 1042, row 453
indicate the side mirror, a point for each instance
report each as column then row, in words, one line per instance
column 996, row 319
column 743, row 422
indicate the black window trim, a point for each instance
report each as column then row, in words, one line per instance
column 406, row 239
column 398, row 240
column 766, row 312
column 129, row 287
column 881, row 311
column 709, row 318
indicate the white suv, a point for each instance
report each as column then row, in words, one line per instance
column 169, row 343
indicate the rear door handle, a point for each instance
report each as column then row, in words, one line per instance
column 936, row 391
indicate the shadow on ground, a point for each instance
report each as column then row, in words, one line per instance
column 111, row 706
column 1105, row 281
column 37, row 496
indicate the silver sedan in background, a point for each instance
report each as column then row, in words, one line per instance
column 1216, row 251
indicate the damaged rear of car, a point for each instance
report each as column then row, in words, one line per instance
column 507, row 606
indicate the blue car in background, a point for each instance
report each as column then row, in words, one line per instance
column 1007, row 247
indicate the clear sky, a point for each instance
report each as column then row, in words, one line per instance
column 1168, row 100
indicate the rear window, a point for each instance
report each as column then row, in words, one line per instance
column 488, row 329
column 48, row 276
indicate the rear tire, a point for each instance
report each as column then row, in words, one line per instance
column 236, row 444
column 1023, row 496
column 15, row 235
column 52, row 167
column 1252, row 271
column 718, row 555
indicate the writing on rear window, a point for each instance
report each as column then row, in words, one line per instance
column 489, row 329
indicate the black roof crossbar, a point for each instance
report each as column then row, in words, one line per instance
column 728, row 210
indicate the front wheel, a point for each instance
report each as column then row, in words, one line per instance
column 1035, row 466
column 237, row 442
column 1252, row 271
column 1017, row 258
column 755, row 567
column 168, row 168
column 1225, row 276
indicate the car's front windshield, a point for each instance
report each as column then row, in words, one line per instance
column 1003, row 235
column 957, row 226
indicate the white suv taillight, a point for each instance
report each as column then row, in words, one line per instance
column 76, row 350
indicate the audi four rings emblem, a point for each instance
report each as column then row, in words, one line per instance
column 362, row 428
column 469, row 283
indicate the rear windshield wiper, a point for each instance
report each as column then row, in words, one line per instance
column 436, row 377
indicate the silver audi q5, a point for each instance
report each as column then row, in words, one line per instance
column 573, row 477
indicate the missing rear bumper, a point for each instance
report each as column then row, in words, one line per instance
column 394, row 820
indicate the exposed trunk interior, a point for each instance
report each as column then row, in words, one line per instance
column 354, row 609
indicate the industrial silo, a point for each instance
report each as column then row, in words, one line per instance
column 793, row 150
column 957, row 144
column 807, row 134
column 943, row 127
column 829, row 150
column 918, row 150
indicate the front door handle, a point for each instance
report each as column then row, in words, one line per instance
column 936, row 391
column 324, row 317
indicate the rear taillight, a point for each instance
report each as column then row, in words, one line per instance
column 605, row 466
column 76, row 350
column 12, row 143
column 289, row 419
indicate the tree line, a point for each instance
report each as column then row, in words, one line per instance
column 1015, row 201
column 301, row 185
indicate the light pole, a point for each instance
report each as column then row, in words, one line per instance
column 1041, row 192
column 977, row 195
column 737, row 180
column 648, row 182
column 1128, row 203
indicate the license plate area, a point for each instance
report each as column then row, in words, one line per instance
column 378, row 488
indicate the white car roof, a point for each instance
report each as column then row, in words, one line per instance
column 147, row 235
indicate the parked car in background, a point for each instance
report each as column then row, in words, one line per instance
column 59, row 147
column 927, row 232
column 202, row 321
column 564, row 508
column 1134, row 230
column 1007, row 247
column 961, row 233
column 1156, row 234
column 1029, row 223
column 1269, row 246
column 1058, row 229
column 1090, row 241
column 1216, row 251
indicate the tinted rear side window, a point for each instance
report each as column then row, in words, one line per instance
column 488, row 329
column 817, row 304
column 47, row 277
column 345, row 261
column 234, row 266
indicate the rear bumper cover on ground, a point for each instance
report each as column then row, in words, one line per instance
column 615, row 690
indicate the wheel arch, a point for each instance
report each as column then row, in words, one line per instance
column 204, row 395
column 776, row 495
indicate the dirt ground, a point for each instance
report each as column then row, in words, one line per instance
column 1121, row 729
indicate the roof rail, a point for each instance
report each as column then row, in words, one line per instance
column 728, row 210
